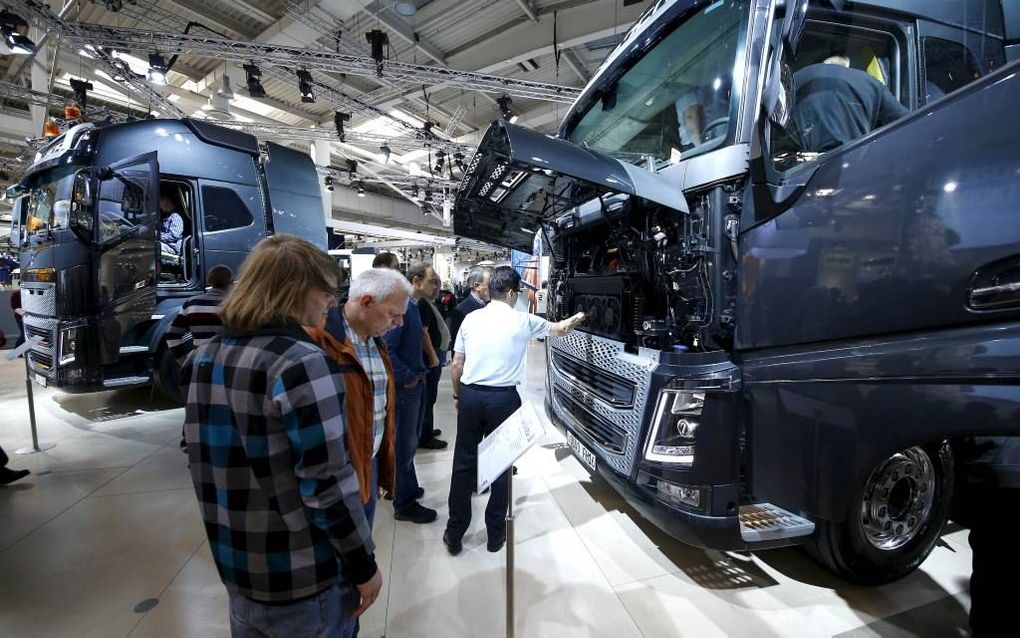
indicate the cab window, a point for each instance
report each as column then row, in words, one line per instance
column 847, row 81
column 948, row 66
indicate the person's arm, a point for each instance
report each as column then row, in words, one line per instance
column 456, row 370
column 308, row 397
column 403, row 373
column 561, row 328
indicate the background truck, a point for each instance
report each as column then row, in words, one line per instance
column 87, row 218
column 788, row 340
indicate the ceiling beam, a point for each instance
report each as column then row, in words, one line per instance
column 528, row 10
column 575, row 65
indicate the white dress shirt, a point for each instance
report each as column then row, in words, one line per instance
column 494, row 341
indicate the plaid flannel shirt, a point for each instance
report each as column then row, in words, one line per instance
column 265, row 431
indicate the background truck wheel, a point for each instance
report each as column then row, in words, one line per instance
column 895, row 518
column 166, row 376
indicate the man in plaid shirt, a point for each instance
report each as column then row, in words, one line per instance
column 265, row 428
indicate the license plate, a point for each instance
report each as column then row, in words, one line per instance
column 41, row 380
column 583, row 453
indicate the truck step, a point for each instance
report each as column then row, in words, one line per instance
column 124, row 382
column 766, row 522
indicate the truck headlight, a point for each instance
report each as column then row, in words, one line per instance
column 674, row 426
column 68, row 345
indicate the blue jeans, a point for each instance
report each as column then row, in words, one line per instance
column 410, row 410
column 325, row 615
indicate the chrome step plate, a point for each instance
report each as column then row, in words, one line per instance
column 766, row 522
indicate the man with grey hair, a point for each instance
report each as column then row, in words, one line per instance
column 352, row 336
column 477, row 281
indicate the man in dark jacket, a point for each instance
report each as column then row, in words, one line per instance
column 437, row 336
column 406, row 347
column 836, row 105
column 478, row 295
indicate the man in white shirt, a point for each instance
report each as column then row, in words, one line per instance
column 488, row 365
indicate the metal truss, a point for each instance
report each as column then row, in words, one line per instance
column 81, row 34
column 400, row 143
column 11, row 91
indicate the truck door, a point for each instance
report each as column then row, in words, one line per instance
column 294, row 195
column 126, row 214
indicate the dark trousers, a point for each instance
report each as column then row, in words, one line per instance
column 481, row 411
column 431, row 394
column 996, row 562
column 373, row 495
column 3, row 458
column 410, row 408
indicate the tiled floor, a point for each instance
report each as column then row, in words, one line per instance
column 104, row 539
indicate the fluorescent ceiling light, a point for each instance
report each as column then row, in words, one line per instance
column 407, row 118
column 246, row 103
column 379, row 126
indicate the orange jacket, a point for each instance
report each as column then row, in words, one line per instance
column 360, row 412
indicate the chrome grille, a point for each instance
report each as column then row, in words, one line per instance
column 39, row 299
column 614, row 390
column 41, row 356
column 607, row 364
column 607, row 435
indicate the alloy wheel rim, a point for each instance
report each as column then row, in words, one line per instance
column 898, row 499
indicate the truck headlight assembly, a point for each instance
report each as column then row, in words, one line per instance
column 674, row 427
column 68, row 345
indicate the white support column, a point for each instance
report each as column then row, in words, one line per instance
column 320, row 155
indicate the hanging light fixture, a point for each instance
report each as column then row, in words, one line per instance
column 157, row 69
column 305, row 86
column 440, row 160
column 13, row 28
column 339, row 118
column 329, row 183
column 253, row 77
column 386, row 152
column 360, row 185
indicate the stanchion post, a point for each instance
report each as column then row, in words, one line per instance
column 510, row 554
column 36, row 446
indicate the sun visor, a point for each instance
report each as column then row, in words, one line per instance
column 519, row 179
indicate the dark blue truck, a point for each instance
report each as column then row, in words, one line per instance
column 96, row 288
column 789, row 340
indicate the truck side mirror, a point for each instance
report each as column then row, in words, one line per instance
column 81, row 221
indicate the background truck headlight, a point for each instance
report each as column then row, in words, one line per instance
column 68, row 345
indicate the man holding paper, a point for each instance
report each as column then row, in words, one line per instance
column 488, row 365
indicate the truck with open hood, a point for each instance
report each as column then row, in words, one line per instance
column 794, row 228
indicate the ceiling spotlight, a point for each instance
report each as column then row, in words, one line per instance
column 414, row 192
column 253, row 77
column 80, row 88
column 218, row 107
column 440, row 160
column 386, row 152
column 157, row 69
column 377, row 40
column 339, row 119
column 428, row 192
column 13, row 28
column 360, row 185
column 329, row 183
column 352, row 167
column 458, row 159
column 505, row 105
column 405, row 9
column 305, row 86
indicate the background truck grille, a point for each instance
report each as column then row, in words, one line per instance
column 36, row 331
column 42, row 356
column 39, row 299
column 42, row 360
column 607, row 435
column 616, row 391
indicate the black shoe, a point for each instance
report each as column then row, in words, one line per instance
column 9, row 476
column 420, row 493
column 494, row 545
column 433, row 444
column 515, row 470
column 436, row 432
column 417, row 513
column 452, row 546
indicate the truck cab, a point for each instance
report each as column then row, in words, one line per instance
column 792, row 226
column 119, row 224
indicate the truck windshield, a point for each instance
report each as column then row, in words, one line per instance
column 49, row 202
column 674, row 102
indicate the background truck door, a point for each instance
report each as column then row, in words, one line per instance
column 294, row 194
column 127, row 227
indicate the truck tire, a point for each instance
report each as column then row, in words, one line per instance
column 166, row 376
column 895, row 518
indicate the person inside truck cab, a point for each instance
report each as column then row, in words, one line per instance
column 171, row 234
column 836, row 104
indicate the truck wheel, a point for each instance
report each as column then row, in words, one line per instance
column 167, row 376
column 895, row 518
